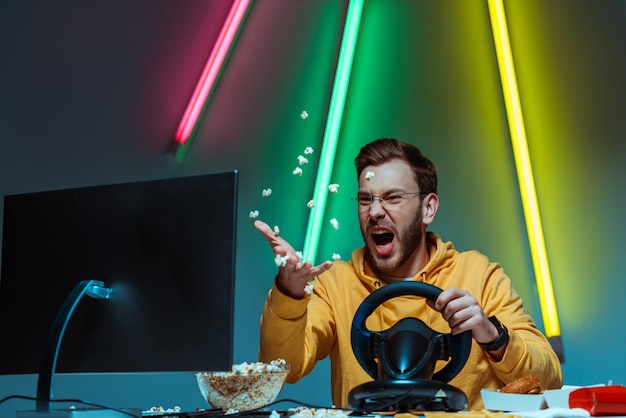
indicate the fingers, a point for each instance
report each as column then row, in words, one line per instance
column 279, row 245
column 261, row 226
column 293, row 277
column 460, row 309
column 305, row 270
column 446, row 297
column 469, row 318
column 267, row 232
column 317, row 270
column 431, row 304
column 293, row 272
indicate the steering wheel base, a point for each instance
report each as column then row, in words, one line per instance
column 406, row 395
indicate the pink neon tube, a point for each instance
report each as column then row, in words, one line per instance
column 211, row 69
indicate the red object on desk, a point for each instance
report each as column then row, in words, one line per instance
column 600, row 400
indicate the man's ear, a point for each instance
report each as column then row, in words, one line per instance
column 430, row 205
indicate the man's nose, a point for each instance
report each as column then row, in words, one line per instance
column 376, row 208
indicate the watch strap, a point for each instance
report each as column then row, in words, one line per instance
column 501, row 339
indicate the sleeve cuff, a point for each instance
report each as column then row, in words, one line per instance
column 285, row 306
column 515, row 350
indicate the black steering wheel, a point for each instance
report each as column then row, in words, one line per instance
column 409, row 349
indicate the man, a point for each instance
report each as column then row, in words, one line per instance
column 397, row 200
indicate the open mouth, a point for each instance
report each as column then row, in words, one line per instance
column 383, row 240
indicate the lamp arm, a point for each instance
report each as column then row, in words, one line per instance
column 53, row 344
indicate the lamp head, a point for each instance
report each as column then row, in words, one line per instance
column 97, row 290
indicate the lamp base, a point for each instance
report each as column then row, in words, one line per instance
column 81, row 413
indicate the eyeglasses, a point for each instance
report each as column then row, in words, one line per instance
column 386, row 199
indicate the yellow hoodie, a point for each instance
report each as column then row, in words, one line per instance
column 302, row 331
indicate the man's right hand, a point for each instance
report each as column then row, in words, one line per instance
column 293, row 277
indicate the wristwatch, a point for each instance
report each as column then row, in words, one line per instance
column 501, row 339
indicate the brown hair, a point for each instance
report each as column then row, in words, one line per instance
column 384, row 150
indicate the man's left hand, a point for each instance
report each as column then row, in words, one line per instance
column 462, row 312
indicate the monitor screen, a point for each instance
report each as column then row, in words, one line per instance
column 166, row 249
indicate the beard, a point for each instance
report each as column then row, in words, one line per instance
column 406, row 240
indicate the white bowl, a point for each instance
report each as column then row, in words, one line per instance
column 246, row 387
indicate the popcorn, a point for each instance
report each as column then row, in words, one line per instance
column 156, row 409
column 336, row 256
column 302, row 160
column 266, row 192
column 335, row 223
column 254, row 214
column 305, row 412
column 281, row 261
column 308, row 150
column 299, row 255
column 276, row 230
column 308, row 289
column 369, row 175
column 304, row 114
column 297, row 171
column 333, row 188
column 310, row 204
column 302, row 411
column 246, row 369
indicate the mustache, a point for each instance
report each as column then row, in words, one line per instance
column 373, row 224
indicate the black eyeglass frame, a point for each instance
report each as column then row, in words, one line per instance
column 391, row 198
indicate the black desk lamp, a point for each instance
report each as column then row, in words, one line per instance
column 92, row 288
column 96, row 290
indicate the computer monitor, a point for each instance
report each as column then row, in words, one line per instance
column 165, row 247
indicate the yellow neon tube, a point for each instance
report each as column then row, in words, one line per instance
column 524, row 169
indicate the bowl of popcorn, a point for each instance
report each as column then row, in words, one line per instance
column 247, row 386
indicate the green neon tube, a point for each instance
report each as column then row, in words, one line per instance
column 333, row 126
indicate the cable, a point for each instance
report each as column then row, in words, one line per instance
column 69, row 400
column 304, row 404
column 210, row 412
